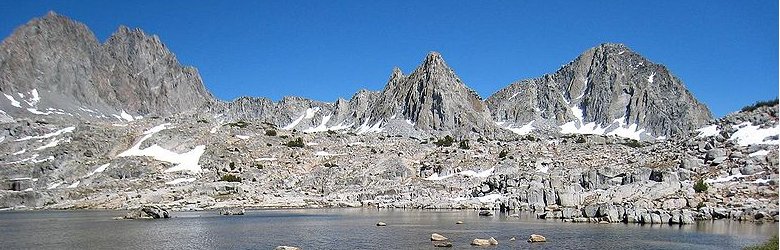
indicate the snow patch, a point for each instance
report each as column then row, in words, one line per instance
column 55, row 185
column 748, row 134
column 759, row 153
column 185, row 161
column 266, row 159
column 20, row 152
column 180, row 180
column 308, row 114
column 35, row 111
column 522, row 130
column 364, row 128
column 651, row 78
column 127, row 117
column 482, row 174
column 98, row 170
column 243, row 137
column 326, row 154
column 14, row 102
column 74, row 185
column 49, row 135
column 711, row 130
column 52, row 143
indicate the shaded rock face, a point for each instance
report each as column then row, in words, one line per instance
column 610, row 84
column 69, row 68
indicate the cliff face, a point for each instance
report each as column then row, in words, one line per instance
column 606, row 89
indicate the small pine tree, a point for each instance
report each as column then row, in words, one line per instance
column 464, row 144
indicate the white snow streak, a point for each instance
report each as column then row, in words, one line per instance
column 482, row 174
column 55, row 133
column 14, row 102
column 180, row 180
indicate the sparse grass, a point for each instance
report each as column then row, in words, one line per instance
column 230, row 178
column 760, row 104
column 297, row 143
column 632, row 143
column 770, row 244
column 446, row 142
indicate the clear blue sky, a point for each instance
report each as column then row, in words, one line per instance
column 726, row 52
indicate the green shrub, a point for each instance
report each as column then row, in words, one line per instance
column 238, row 124
column 298, row 142
column 700, row 186
column 446, row 142
column 230, row 178
column 759, row 104
column 464, row 144
column 502, row 154
column 270, row 132
column 632, row 143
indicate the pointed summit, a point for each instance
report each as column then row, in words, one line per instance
column 434, row 98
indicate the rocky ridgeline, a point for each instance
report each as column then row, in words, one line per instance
column 578, row 178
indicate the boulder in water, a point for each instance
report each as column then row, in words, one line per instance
column 381, row 224
column 485, row 213
column 148, row 212
column 232, row 211
column 536, row 238
column 484, row 242
column 438, row 237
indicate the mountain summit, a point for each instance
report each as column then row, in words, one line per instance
column 62, row 65
column 433, row 98
column 609, row 89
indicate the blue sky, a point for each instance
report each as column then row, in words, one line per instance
column 726, row 52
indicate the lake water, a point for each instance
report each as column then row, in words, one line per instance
column 353, row 229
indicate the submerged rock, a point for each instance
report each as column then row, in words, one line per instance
column 381, row 224
column 287, row 248
column 442, row 244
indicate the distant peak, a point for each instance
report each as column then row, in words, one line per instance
column 612, row 45
column 396, row 73
column 433, row 56
column 434, row 60
column 51, row 13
